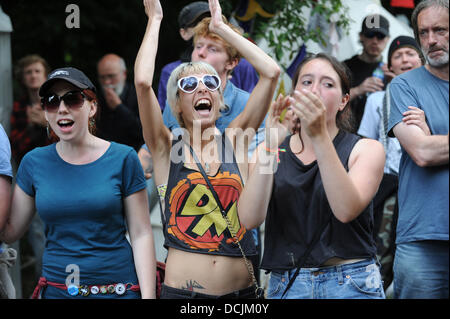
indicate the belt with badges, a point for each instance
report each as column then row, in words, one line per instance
column 86, row 290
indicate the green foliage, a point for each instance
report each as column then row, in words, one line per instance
column 292, row 24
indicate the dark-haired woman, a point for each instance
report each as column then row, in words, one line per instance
column 88, row 192
column 320, row 194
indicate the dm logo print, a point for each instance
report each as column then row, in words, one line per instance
column 195, row 217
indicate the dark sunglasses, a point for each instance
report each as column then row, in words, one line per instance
column 189, row 84
column 371, row 35
column 72, row 99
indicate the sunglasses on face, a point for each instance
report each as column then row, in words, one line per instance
column 189, row 84
column 72, row 99
column 371, row 35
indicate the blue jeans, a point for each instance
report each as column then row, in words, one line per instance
column 359, row 280
column 421, row 270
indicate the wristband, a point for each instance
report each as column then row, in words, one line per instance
column 268, row 150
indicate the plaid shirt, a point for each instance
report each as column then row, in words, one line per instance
column 24, row 137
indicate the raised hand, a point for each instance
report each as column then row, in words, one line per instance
column 153, row 8
column 216, row 15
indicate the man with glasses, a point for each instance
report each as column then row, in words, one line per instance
column 374, row 37
column 119, row 115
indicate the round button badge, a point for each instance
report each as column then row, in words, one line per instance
column 120, row 289
column 95, row 290
column 84, row 291
column 72, row 290
column 111, row 289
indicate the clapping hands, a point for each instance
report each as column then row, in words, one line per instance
column 275, row 130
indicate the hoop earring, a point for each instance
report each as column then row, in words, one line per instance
column 91, row 125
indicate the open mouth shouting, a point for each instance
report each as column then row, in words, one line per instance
column 65, row 125
column 203, row 107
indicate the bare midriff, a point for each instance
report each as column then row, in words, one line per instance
column 206, row 273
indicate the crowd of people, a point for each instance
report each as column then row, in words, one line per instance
column 348, row 173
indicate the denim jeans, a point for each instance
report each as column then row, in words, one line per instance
column 359, row 280
column 421, row 270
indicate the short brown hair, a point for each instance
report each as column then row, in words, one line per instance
column 202, row 30
column 28, row 60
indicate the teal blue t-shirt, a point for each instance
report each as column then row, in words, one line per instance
column 82, row 207
column 423, row 196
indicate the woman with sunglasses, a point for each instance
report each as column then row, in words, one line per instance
column 204, row 257
column 88, row 192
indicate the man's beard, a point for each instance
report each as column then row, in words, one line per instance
column 438, row 62
column 118, row 88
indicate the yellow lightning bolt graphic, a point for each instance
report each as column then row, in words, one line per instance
column 211, row 212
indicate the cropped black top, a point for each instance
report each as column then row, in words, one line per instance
column 299, row 207
column 193, row 220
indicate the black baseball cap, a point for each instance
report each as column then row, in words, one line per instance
column 192, row 13
column 71, row 75
column 375, row 23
